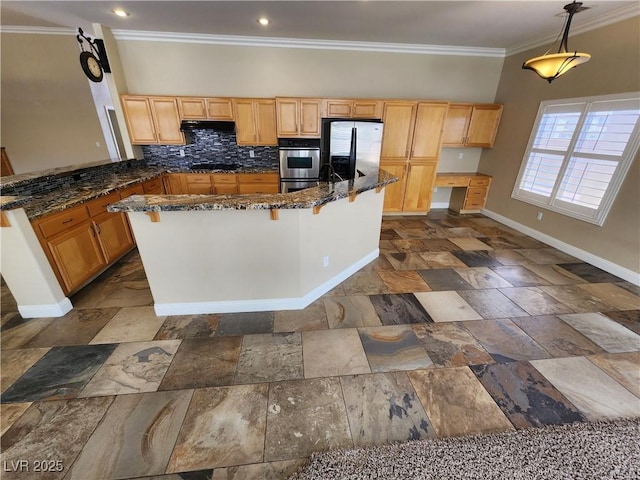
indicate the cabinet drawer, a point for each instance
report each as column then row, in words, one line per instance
column 479, row 181
column 473, row 204
column 226, row 178
column 477, row 192
column 225, row 189
column 151, row 187
column 99, row 205
column 198, row 178
column 132, row 190
column 258, row 188
column 258, row 178
column 451, row 181
column 63, row 221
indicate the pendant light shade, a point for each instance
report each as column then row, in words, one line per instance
column 551, row 66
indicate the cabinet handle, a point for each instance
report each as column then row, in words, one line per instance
column 68, row 221
column 93, row 231
column 98, row 229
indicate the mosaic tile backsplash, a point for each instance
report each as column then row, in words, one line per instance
column 210, row 147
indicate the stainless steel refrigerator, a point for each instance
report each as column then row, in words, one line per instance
column 349, row 148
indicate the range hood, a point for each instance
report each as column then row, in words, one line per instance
column 220, row 126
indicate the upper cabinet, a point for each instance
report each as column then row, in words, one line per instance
column 471, row 125
column 255, row 121
column 195, row 108
column 427, row 133
column 346, row 108
column 152, row 120
column 399, row 119
column 298, row 117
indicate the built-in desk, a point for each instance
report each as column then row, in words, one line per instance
column 469, row 190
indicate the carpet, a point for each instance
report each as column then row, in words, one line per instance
column 597, row 450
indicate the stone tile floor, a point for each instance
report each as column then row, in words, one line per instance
column 461, row 326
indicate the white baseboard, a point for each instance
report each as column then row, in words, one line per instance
column 267, row 304
column 50, row 310
column 602, row 263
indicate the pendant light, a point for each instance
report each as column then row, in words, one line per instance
column 551, row 66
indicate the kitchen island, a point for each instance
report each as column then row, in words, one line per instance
column 231, row 253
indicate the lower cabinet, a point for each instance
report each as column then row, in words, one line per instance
column 419, row 189
column 80, row 242
column 258, row 183
column 394, row 193
column 221, row 183
column 77, row 255
column 114, row 235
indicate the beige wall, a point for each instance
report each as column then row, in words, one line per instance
column 48, row 115
column 614, row 68
column 196, row 69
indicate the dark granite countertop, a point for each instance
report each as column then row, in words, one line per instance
column 324, row 193
column 38, row 205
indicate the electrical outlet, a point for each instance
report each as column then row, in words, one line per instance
column 460, row 156
column 325, row 261
column 539, row 216
column 182, row 152
column 252, row 154
column 435, row 189
column 98, row 144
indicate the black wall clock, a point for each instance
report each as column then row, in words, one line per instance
column 94, row 63
column 91, row 66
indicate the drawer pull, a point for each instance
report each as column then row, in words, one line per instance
column 68, row 221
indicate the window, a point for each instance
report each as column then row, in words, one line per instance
column 579, row 153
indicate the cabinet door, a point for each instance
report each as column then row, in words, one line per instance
column 167, row 121
column 114, row 235
column 399, row 118
column 394, row 193
column 219, row 109
column 309, row 118
column 367, row 109
column 175, row 184
column 266, row 122
column 287, row 110
column 419, row 189
column 137, row 113
column 77, row 255
column 456, row 125
column 245, row 122
column 337, row 108
column 192, row 108
column 483, row 125
column 427, row 133
column 152, row 187
column 244, row 188
column 225, row 189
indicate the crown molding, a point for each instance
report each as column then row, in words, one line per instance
column 246, row 41
column 38, row 30
column 617, row 15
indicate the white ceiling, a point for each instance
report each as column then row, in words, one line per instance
column 508, row 25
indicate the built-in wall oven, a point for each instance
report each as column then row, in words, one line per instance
column 299, row 163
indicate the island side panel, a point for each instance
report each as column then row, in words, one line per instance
column 219, row 261
column 27, row 271
column 338, row 241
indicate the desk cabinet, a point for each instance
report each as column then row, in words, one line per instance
column 469, row 190
column 470, row 125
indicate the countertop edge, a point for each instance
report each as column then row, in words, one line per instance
column 312, row 197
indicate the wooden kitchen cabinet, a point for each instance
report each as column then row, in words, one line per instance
column 348, row 108
column 214, row 108
column 419, row 187
column 224, row 183
column 298, row 117
column 469, row 190
column 394, row 192
column 153, row 186
column 152, row 120
column 471, row 125
column 114, row 235
column 427, row 134
column 174, row 183
column 198, row 183
column 77, row 255
column 399, row 120
column 255, row 121
column 258, row 183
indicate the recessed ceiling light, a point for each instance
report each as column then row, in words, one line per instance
column 263, row 21
column 121, row 13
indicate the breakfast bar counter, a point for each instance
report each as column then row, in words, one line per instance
column 232, row 253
